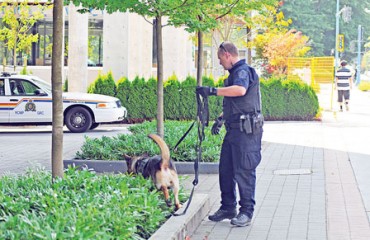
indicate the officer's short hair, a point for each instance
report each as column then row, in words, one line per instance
column 343, row 63
column 228, row 47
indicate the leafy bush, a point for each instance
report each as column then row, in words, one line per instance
column 82, row 205
column 65, row 86
column 137, row 143
column 172, row 97
column 104, row 84
column 288, row 100
column 187, row 96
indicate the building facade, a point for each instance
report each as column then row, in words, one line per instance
column 99, row 42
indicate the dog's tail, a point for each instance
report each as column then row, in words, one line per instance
column 165, row 151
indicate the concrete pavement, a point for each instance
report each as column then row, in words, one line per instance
column 313, row 181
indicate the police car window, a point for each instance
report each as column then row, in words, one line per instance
column 2, row 87
column 28, row 88
column 15, row 89
column 22, row 87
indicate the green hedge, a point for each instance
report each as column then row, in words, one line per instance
column 281, row 99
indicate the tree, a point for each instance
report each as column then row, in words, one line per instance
column 277, row 42
column 57, row 90
column 306, row 15
column 146, row 8
column 207, row 15
column 17, row 22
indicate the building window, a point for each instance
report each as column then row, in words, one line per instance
column 95, row 47
column 42, row 49
column 206, row 58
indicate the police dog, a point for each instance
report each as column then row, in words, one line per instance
column 159, row 168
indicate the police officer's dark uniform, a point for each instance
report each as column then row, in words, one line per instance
column 241, row 148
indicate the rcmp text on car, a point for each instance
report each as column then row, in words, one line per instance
column 26, row 99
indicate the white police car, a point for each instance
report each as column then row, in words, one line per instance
column 27, row 100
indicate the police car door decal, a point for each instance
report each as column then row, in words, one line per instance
column 29, row 107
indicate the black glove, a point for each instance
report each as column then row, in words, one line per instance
column 206, row 91
column 217, row 126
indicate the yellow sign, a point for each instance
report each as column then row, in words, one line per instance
column 340, row 43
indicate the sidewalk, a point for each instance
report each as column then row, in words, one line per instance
column 312, row 182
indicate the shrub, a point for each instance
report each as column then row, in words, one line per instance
column 82, row 205
column 172, row 98
column 65, row 86
column 288, row 100
column 187, row 103
column 137, row 143
column 281, row 99
column 104, row 84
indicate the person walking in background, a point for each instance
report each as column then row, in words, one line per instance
column 343, row 82
column 241, row 147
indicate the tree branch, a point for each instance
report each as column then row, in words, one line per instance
column 147, row 20
column 228, row 11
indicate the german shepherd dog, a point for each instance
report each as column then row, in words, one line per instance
column 159, row 168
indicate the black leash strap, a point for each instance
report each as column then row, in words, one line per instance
column 182, row 138
column 202, row 119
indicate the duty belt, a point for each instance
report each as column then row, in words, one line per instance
column 232, row 125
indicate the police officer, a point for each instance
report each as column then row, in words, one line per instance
column 241, row 147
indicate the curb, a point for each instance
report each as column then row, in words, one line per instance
column 179, row 227
column 104, row 166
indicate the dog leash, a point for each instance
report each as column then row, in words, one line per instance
column 202, row 120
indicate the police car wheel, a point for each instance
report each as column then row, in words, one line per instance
column 78, row 119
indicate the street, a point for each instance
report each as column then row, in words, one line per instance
column 30, row 146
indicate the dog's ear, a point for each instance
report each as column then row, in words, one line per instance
column 127, row 157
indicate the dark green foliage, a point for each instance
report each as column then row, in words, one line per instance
column 187, row 104
column 123, row 90
column 172, row 98
column 288, row 100
column 137, row 143
column 306, row 14
column 65, row 86
column 104, row 84
column 281, row 99
column 82, row 205
column 139, row 98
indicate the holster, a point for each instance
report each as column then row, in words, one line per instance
column 251, row 124
column 245, row 123
column 258, row 122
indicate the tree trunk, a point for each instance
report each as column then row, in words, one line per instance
column 160, row 112
column 249, row 50
column 56, row 80
column 15, row 57
column 200, row 58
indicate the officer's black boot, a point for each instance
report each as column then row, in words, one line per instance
column 221, row 214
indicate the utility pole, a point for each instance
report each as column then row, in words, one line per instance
column 358, row 68
column 337, row 15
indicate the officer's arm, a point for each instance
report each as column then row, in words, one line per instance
column 231, row 91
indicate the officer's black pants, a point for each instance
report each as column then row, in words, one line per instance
column 240, row 155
